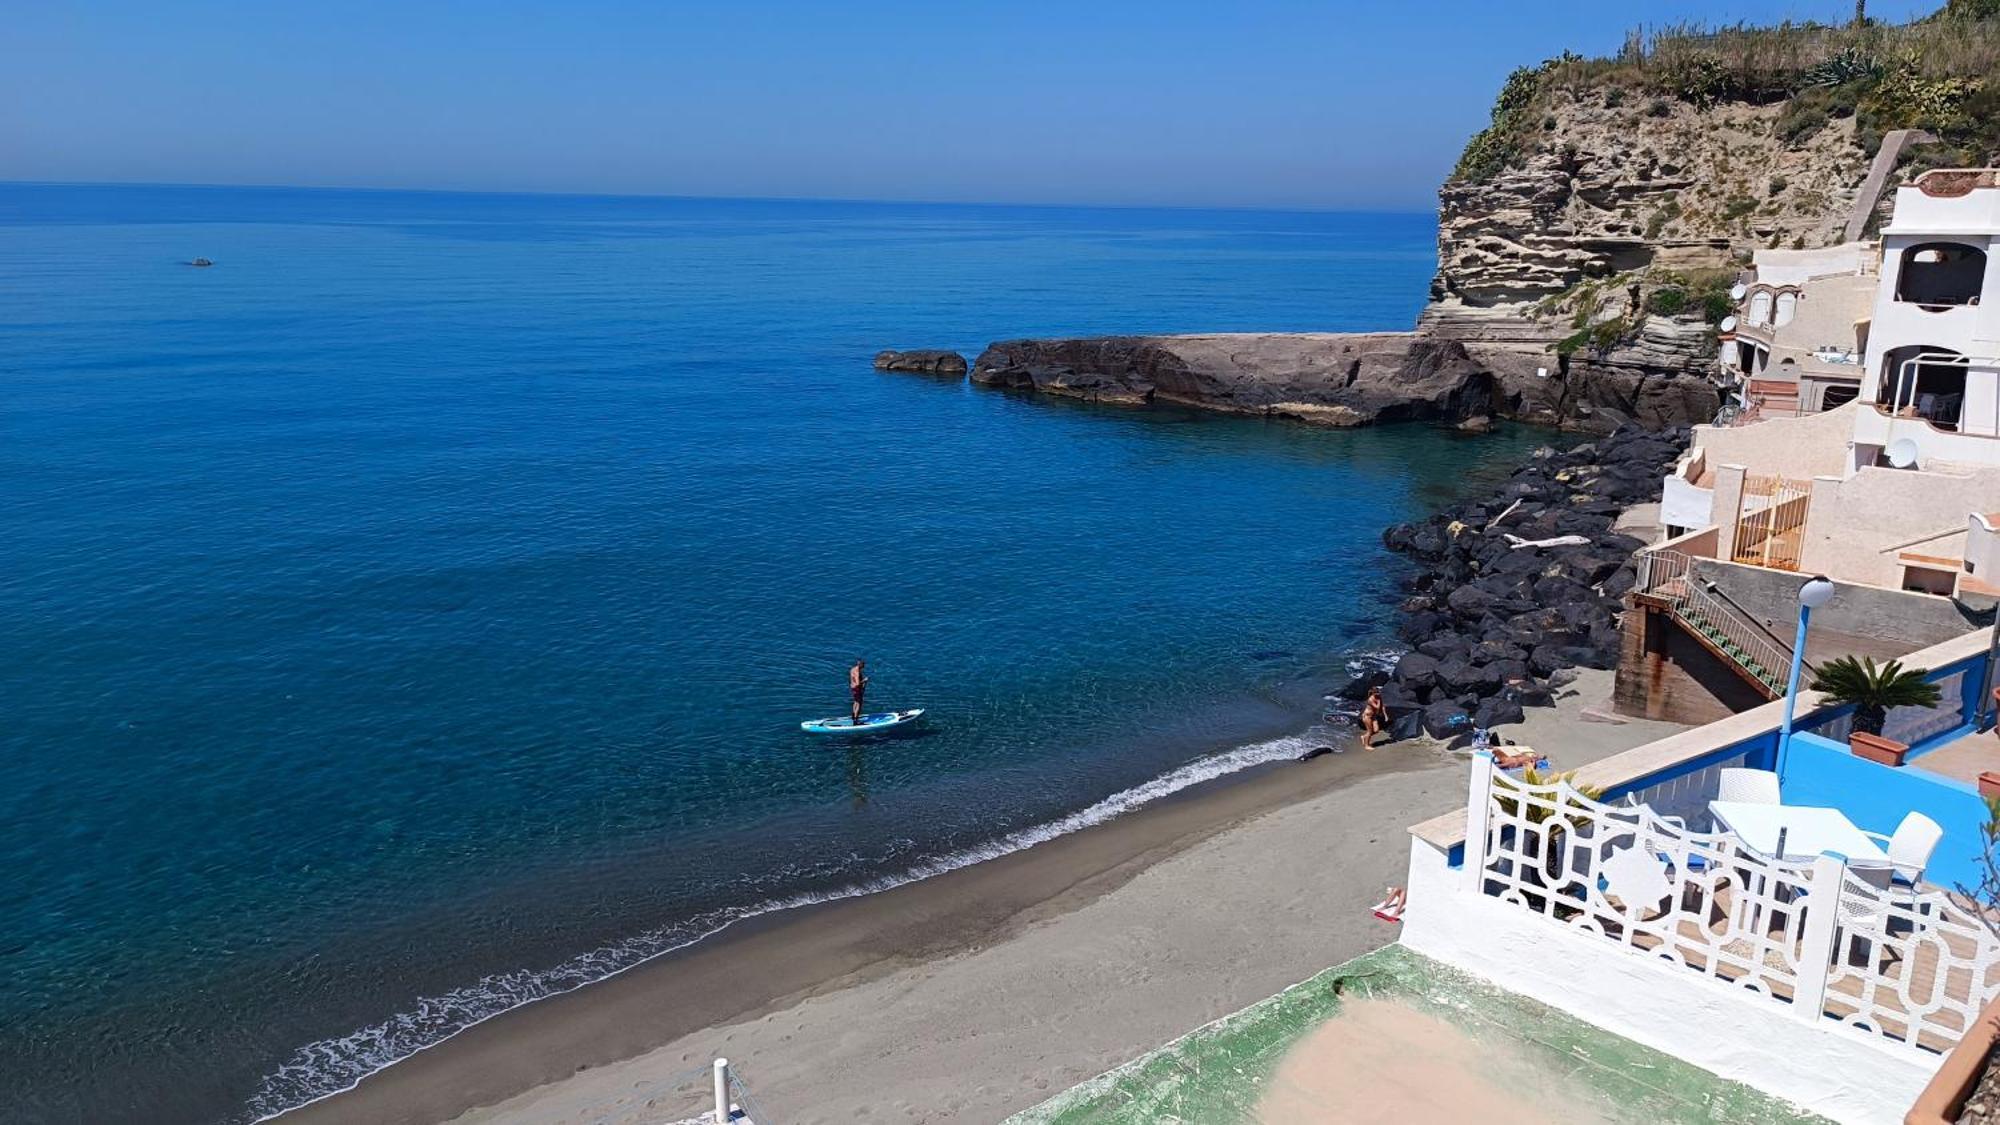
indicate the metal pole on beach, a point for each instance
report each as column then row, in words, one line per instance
column 722, row 1092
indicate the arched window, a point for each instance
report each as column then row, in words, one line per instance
column 1941, row 275
column 1760, row 307
column 1788, row 303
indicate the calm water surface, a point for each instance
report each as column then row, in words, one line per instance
column 412, row 614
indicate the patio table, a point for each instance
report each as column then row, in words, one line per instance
column 1809, row 830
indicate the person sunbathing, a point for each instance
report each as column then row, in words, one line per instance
column 1390, row 909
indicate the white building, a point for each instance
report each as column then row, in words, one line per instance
column 1796, row 343
column 1933, row 369
column 1900, row 488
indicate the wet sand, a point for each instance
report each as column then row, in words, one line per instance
column 977, row 993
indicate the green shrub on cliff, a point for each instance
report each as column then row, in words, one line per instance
column 1502, row 143
column 1668, row 300
column 1940, row 73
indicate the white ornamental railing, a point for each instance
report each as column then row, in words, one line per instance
column 1909, row 968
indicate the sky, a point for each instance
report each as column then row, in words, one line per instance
column 1227, row 103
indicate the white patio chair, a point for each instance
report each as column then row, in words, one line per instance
column 1753, row 786
column 1911, row 847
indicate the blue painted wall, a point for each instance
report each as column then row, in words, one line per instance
column 1819, row 771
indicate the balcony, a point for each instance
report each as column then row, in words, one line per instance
column 1814, row 977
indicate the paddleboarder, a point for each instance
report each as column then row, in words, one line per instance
column 857, row 686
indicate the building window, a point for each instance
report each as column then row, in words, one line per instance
column 1839, row 394
column 1760, row 307
column 1941, row 275
column 1929, row 580
column 1788, row 303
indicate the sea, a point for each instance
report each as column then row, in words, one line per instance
column 411, row 614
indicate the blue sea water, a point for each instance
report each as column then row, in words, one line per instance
column 412, row 614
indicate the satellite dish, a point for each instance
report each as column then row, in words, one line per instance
column 1728, row 324
column 1902, row 453
column 1736, row 291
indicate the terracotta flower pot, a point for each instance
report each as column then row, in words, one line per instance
column 1989, row 784
column 1944, row 1098
column 1875, row 748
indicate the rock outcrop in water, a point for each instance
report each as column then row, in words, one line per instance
column 927, row 361
column 1344, row 379
column 1495, row 622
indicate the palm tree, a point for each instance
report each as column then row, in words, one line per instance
column 1873, row 690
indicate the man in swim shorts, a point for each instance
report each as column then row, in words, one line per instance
column 857, row 686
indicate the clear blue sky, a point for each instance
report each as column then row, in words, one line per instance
column 1258, row 103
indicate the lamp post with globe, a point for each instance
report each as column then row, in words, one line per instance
column 1816, row 592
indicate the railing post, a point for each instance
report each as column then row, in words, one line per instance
column 1816, row 953
column 722, row 1092
column 1478, row 813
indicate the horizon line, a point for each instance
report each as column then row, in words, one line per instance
column 1244, row 208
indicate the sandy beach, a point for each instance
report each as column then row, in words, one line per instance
column 972, row 995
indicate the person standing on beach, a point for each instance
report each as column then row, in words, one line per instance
column 1374, row 718
column 857, row 686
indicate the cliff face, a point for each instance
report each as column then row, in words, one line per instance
column 1623, row 183
column 1554, row 261
column 1622, row 186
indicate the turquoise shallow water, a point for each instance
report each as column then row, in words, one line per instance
column 412, row 614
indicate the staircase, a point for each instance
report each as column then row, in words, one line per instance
column 1667, row 579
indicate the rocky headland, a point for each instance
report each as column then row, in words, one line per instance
column 1343, row 379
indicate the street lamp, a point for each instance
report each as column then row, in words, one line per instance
column 1817, row 591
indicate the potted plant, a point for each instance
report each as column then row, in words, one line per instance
column 1873, row 689
column 1550, row 823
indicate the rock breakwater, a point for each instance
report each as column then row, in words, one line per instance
column 1516, row 587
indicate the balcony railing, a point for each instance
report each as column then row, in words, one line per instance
column 1909, row 969
column 1668, row 576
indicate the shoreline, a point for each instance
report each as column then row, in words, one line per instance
column 848, row 940
column 562, row 1054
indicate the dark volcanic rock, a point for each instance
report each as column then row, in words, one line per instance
column 1499, row 626
column 1333, row 379
column 926, row 361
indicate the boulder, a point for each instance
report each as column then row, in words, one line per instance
column 1444, row 646
column 1398, row 699
column 1463, row 678
column 1445, row 719
column 1497, row 712
column 1417, row 671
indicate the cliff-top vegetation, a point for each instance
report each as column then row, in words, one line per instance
column 1940, row 73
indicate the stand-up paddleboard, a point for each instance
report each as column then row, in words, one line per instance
column 869, row 724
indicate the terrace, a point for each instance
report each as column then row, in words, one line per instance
column 1802, row 967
